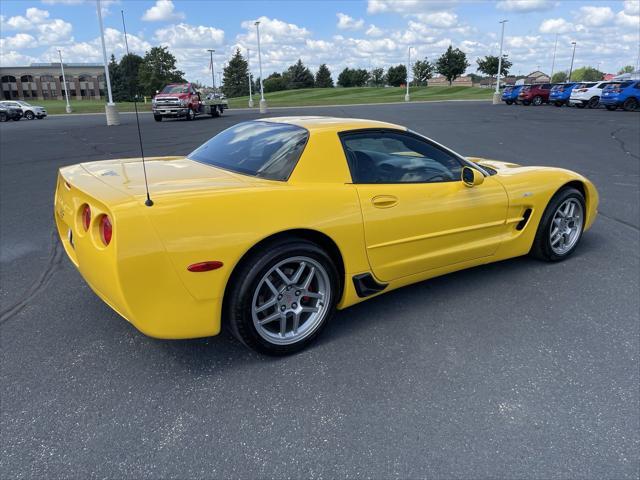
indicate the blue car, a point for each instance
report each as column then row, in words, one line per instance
column 625, row 94
column 510, row 94
column 560, row 93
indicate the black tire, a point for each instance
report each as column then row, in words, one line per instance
column 237, row 314
column 189, row 115
column 29, row 115
column 526, row 102
column 509, row 102
column 557, row 104
column 611, row 108
column 157, row 118
column 580, row 105
column 537, row 100
column 630, row 105
column 220, row 110
column 593, row 102
column 3, row 117
column 214, row 111
column 16, row 119
column 541, row 248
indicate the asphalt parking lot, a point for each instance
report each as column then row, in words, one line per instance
column 511, row 370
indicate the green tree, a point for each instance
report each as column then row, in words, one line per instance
column 157, row 69
column 377, row 77
column 323, row 77
column 235, row 79
column 298, row 76
column 559, row 77
column 422, row 71
column 397, row 75
column 626, row 69
column 489, row 65
column 274, row 83
column 586, row 74
column 353, row 77
column 452, row 64
column 127, row 84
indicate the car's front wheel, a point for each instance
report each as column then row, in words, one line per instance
column 593, row 102
column 630, row 105
column 3, row 117
column 509, row 102
column 557, row 104
column 611, row 108
column 537, row 100
column 157, row 118
column 561, row 226
column 282, row 296
column 580, row 105
column 29, row 115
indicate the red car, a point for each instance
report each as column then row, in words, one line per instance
column 535, row 94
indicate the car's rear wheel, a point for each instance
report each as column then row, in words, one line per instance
column 190, row 115
column 29, row 115
column 157, row 118
column 537, row 100
column 593, row 102
column 611, row 108
column 630, row 105
column 509, row 102
column 282, row 297
column 561, row 226
column 16, row 118
column 557, row 104
column 3, row 117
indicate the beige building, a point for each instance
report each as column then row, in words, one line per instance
column 43, row 81
column 441, row 81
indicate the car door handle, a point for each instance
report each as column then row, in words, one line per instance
column 384, row 201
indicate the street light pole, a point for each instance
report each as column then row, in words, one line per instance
column 250, row 82
column 496, row 95
column 213, row 76
column 406, row 95
column 572, row 57
column 553, row 61
column 263, row 102
column 113, row 118
column 64, row 81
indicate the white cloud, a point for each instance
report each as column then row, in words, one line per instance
column 623, row 18
column 55, row 31
column 345, row 22
column 556, row 25
column 273, row 31
column 595, row 16
column 162, row 11
column 18, row 41
column 36, row 15
column 374, row 31
column 184, row 35
column 632, row 7
column 524, row 5
column 442, row 19
column 12, row 58
column 33, row 17
column 408, row 7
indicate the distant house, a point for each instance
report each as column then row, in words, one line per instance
column 440, row 81
column 537, row 77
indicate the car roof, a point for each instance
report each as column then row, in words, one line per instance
column 320, row 123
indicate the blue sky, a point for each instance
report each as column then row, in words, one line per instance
column 367, row 33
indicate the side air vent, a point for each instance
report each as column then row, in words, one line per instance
column 525, row 218
column 367, row 285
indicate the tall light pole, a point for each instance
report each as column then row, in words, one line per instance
column 496, row 95
column 263, row 102
column 553, row 61
column 250, row 82
column 213, row 76
column 573, row 55
column 113, row 118
column 406, row 95
column 64, row 81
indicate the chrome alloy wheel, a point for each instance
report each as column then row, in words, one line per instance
column 291, row 300
column 566, row 226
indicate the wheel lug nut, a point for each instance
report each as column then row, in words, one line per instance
column 297, row 293
column 294, row 305
column 280, row 297
column 283, row 308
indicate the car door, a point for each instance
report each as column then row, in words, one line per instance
column 417, row 213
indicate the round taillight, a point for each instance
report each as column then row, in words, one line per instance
column 106, row 230
column 86, row 217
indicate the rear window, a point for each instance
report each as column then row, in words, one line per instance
column 260, row 149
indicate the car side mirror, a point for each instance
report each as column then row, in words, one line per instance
column 471, row 177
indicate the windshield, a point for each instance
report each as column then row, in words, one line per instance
column 24, row 104
column 175, row 89
column 261, row 149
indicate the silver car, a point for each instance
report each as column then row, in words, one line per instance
column 28, row 111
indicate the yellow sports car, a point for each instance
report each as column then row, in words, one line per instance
column 273, row 224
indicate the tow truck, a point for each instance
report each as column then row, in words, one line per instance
column 182, row 100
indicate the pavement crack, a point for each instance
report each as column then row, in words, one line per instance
column 620, row 221
column 55, row 257
column 622, row 144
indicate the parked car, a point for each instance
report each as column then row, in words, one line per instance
column 272, row 224
column 560, row 93
column 9, row 113
column 621, row 94
column 510, row 93
column 28, row 111
column 587, row 94
column 535, row 94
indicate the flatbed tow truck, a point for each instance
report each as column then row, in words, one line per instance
column 182, row 100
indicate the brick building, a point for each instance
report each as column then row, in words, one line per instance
column 43, row 81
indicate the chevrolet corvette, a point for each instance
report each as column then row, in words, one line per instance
column 273, row 224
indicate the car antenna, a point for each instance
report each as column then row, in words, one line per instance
column 148, row 202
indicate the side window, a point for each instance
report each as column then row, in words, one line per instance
column 381, row 156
